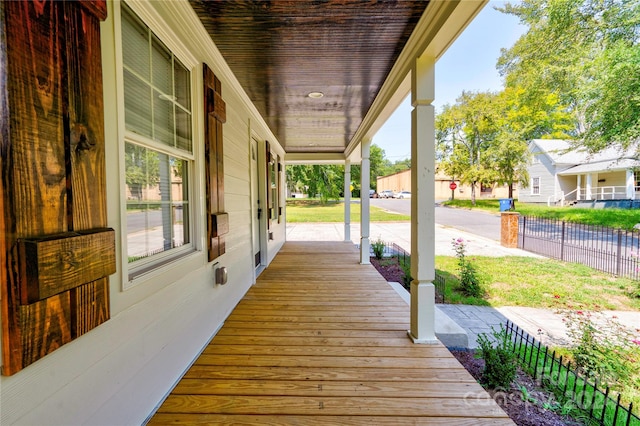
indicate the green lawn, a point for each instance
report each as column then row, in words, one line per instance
column 309, row 210
column 614, row 218
column 541, row 283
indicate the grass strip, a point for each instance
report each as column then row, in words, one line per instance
column 613, row 218
column 309, row 211
column 540, row 282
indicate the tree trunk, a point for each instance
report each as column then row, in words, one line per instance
column 473, row 193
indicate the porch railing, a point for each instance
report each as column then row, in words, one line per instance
column 606, row 249
column 597, row 193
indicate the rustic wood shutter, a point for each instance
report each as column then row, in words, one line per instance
column 56, row 253
column 216, row 116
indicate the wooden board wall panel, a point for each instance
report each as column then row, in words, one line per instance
column 45, row 326
column 89, row 306
column 34, row 173
column 52, row 161
column 87, row 205
column 5, row 193
column 52, row 265
column 35, row 47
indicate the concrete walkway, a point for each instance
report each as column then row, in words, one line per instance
column 544, row 324
column 400, row 233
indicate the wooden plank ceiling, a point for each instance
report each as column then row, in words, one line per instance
column 283, row 50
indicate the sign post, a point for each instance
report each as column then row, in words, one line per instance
column 453, row 187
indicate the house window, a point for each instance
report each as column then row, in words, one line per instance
column 636, row 178
column 535, row 186
column 158, row 148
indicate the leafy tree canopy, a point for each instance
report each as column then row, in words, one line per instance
column 327, row 181
column 483, row 138
column 587, row 53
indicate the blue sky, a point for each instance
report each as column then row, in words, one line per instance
column 469, row 64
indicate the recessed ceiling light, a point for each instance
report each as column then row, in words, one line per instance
column 315, row 95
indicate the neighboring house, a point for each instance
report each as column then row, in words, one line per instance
column 401, row 181
column 560, row 174
column 142, row 148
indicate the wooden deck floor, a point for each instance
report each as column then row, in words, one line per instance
column 321, row 339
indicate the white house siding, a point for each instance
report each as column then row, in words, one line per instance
column 543, row 170
column 568, row 185
column 118, row 373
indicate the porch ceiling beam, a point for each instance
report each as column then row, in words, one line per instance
column 314, row 158
column 441, row 24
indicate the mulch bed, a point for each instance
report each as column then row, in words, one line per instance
column 513, row 401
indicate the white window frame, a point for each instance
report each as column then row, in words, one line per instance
column 534, row 186
column 190, row 255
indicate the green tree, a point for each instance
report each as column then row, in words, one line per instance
column 484, row 137
column 327, row 181
column 519, row 120
column 142, row 169
column 324, row 181
column 464, row 132
column 587, row 53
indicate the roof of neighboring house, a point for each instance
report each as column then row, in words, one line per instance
column 609, row 166
column 562, row 152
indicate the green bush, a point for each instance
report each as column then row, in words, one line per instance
column 378, row 248
column 470, row 284
column 499, row 360
column 603, row 349
column 405, row 264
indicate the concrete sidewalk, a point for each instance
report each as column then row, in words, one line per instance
column 544, row 324
column 400, row 233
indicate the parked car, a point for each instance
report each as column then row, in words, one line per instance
column 402, row 194
column 387, row 193
column 373, row 193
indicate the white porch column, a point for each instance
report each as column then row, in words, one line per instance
column 579, row 184
column 588, row 194
column 631, row 185
column 364, row 202
column 347, row 200
column 423, row 165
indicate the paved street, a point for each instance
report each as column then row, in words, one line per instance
column 476, row 222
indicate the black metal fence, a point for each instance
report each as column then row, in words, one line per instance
column 404, row 260
column 606, row 249
column 566, row 381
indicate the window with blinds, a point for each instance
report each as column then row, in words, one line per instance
column 158, row 147
column 535, row 186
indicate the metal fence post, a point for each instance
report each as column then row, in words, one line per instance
column 562, row 237
column 619, row 253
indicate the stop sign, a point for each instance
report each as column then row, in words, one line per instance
column 452, row 186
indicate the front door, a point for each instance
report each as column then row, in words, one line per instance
column 258, row 207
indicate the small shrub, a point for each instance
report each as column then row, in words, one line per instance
column 378, row 248
column 499, row 360
column 470, row 283
column 405, row 264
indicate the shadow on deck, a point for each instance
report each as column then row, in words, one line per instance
column 321, row 339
